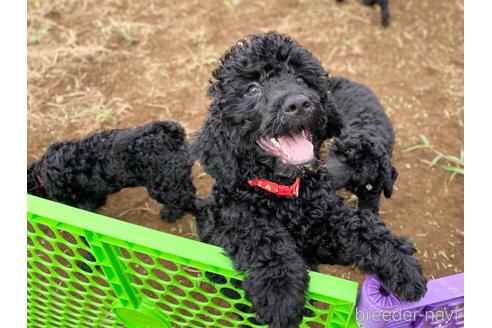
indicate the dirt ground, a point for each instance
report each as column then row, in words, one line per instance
column 103, row 64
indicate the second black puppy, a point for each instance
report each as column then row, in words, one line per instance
column 360, row 157
column 82, row 173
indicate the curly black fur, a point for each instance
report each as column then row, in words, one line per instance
column 82, row 173
column 383, row 4
column 360, row 157
column 273, row 239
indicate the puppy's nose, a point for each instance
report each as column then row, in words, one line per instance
column 296, row 105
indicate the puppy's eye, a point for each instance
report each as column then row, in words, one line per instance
column 253, row 90
column 300, row 80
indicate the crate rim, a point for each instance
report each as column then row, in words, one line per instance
column 165, row 242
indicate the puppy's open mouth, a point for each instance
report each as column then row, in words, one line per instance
column 293, row 148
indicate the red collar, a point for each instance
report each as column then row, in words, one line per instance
column 275, row 188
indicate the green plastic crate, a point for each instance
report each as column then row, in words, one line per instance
column 88, row 270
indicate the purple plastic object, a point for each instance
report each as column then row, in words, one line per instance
column 442, row 306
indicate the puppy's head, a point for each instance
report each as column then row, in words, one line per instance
column 270, row 111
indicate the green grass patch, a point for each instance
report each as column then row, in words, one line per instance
column 450, row 163
column 104, row 115
column 36, row 36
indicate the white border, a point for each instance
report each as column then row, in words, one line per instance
column 478, row 108
column 13, row 90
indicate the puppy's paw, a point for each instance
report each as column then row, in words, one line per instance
column 407, row 282
column 171, row 214
column 282, row 320
column 285, row 312
column 412, row 291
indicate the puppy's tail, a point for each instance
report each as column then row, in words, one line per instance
column 172, row 130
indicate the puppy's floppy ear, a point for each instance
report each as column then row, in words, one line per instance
column 213, row 147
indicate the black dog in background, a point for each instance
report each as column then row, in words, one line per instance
column 272, row 106
column 383, row 4
column 360, row 157
column 82, row 173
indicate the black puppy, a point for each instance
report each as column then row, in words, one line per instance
column 82, row 173
column 360, row 157
column 383, row 4
column 271, row 109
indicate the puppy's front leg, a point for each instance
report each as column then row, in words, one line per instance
column 277, row 276
column 363, row 239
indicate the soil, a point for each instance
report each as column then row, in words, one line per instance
column 95, row 65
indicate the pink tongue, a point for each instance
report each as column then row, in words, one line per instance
column 297, row 148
